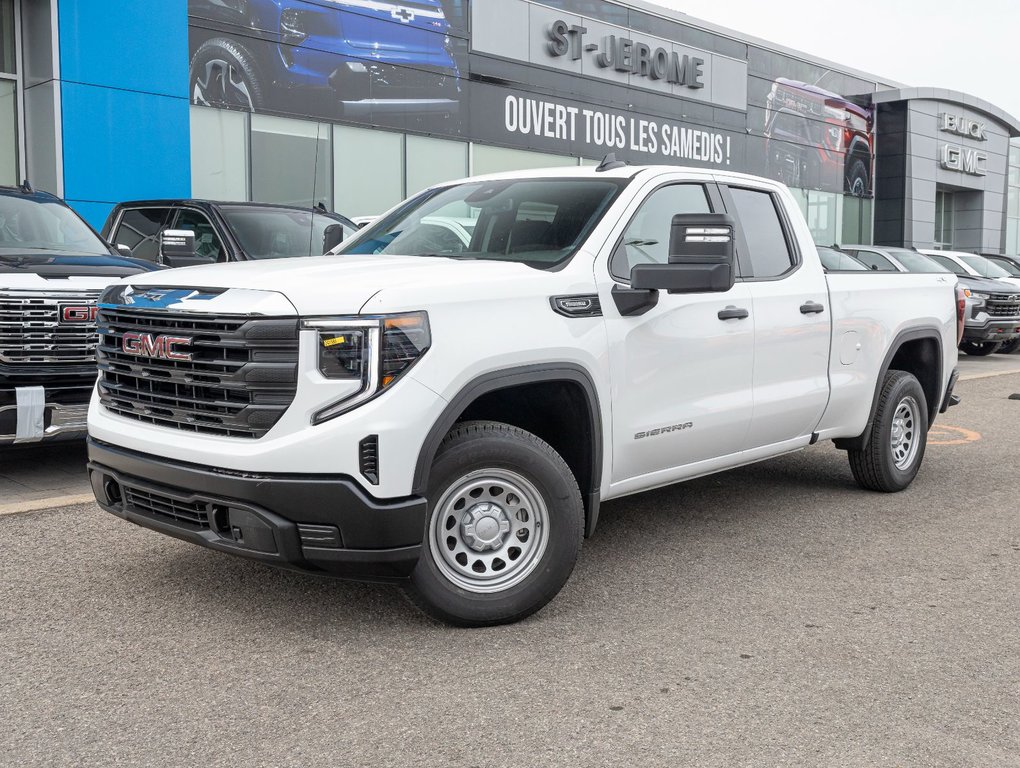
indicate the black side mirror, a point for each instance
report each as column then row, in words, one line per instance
column 332, row 236
column 701, row 257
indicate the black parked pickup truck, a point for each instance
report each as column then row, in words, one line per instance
column 206, row 231
column 53, row 267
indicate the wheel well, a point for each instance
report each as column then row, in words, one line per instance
column 555, row 411
column 922, row 358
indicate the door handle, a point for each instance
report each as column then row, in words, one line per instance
column 733, row 313
column 811, row 308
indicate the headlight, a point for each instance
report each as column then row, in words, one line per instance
column 981, row 296
column 371, row 352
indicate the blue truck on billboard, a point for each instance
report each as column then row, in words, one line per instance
column 372, row 60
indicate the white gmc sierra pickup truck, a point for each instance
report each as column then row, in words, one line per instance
column 447, row 400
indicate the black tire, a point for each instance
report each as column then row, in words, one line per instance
column 1009, row 347
column 858, row 178
column 980, row 348
column 875, row 467
column 473, row 450
column 223, row 73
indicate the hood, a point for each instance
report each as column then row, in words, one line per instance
column 987, row 284
column 52, row 266
column 343, row 285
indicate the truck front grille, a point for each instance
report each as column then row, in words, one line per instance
column 47, row 328
column 1003, row 305
column 228, row 375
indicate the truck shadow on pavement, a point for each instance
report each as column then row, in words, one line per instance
column 668, row 525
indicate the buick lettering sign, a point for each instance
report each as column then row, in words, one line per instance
column 626, row 55
column 160, row 347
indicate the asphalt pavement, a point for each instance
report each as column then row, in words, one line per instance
column 773, row 615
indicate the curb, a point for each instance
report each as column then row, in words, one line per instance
column 37, row 505
column 989, row 375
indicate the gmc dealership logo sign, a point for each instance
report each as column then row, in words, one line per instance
column 954, row 157
column 626, row 55
column 160, row 347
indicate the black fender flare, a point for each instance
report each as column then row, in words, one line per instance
column 910, row 334
column 504, row 379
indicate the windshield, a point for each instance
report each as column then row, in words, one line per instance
column 538, row 222
column 280, row 233
column 916, row 262
column 837, row 261
column 984, row 267
column 1009, row 266
column 949, row 264
column 37, row 224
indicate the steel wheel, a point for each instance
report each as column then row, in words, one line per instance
column 903, row 437
column 222, row 84
column 489, row 531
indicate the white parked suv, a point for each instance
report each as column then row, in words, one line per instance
column 453, row 418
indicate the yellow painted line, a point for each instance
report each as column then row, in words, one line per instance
column 37, row 505
column 943, row 434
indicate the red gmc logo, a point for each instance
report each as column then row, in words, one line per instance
column 148, row 345
column 78, row 313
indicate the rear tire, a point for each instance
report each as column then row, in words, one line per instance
column 980, row 348
column 894, row 450
column 504, row 527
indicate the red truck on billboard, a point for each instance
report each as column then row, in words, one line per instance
column 817, row 139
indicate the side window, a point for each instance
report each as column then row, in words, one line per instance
column 768, row 250
column 646, row 239
column 876, row 261
column 207, row 244
column 139, row 230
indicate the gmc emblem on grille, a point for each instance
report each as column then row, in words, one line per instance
column 71, row 314
column 148, row 345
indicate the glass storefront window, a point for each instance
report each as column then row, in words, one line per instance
column 8, row 132
column 944, row 220
column 219, row 154
column 290, row 161
column 362, row 154
column 824, row 216
column 1013, row 237
column 498, row 159
column 8, row 59
column 431, row 161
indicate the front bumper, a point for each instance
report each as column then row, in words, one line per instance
column 992, row 330
column 31, row 419
column 323, row 524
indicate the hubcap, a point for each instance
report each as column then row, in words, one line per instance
column 222, row 85
column 489, row 530
column 904, row 437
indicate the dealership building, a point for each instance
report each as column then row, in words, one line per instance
column 357, row 104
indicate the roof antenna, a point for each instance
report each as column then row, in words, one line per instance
column 320, row 206
column 26, row 187
column 609, row 163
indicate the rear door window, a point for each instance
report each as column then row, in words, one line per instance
column 767, row 247
column 139, row 230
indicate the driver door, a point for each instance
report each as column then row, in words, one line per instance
column 681, row 370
